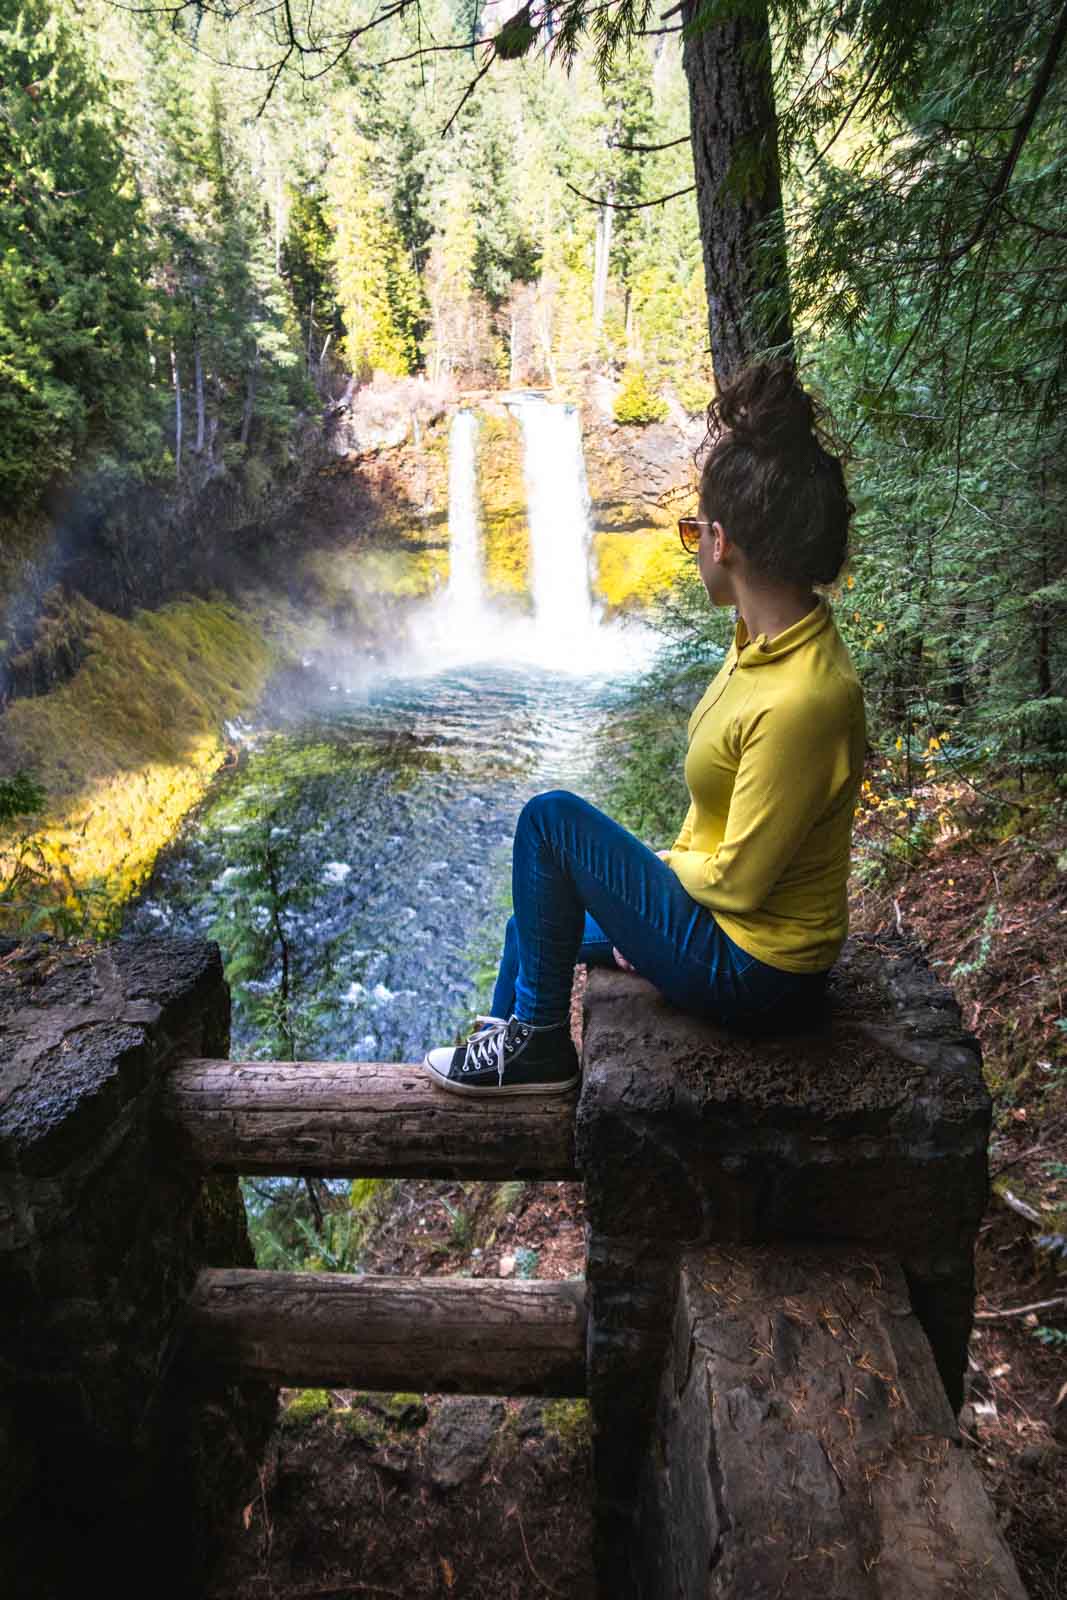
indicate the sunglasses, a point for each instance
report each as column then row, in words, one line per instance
column 689, row 532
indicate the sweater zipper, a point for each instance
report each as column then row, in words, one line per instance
column 711, row 704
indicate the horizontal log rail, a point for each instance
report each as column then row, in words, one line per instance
column 430, row 1335
column 359, row 1119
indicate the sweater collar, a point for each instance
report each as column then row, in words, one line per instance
column 764, row 650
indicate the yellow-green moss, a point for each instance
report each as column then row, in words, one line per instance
column 373, row 1416
column 125, row 749
column 362, row 1191
column 633, row 569
column 304, row 1408
column 398, row 1410
column 365, row 1428
column 502, row 497
column 571, row 1422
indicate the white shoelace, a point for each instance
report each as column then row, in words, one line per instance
column 486, row 1047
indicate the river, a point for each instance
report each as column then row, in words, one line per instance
column 354, row 861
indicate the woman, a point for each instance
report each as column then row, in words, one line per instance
column 740, row 921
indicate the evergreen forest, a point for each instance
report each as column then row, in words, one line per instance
column 209, row 221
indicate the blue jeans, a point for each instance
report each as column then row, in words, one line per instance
column 581, row 884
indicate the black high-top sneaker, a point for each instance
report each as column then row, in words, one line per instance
column 510, row 1057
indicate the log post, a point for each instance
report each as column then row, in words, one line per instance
column 108, row 1469
column 870, row 1131
column 806, row 1446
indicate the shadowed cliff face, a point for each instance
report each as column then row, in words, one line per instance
column 353, row 524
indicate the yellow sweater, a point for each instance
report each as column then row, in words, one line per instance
column 775, row 760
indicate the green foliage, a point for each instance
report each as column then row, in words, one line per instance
column 307, row 266
column 305, row 1225
column 508, row 1195
column 515, row 36
column 306, row 1406
column 526, row 1260
column 73, row 258
column 955, row 625
column 980, row 959
column 461, row 1232
column 377, row 287
column 20, row 796
column 363, row 1191
column 637, row 401
column 571, row 1421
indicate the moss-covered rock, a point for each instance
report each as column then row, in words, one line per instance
column 123, row 750
column 359, row 1424
column 399, row 1410
column 634, row 569
column 374, row 1419
column 502, row 495
column 305, row 1407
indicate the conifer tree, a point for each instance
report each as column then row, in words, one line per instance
column 458, row 323
column 73, row 349
column 377, row 287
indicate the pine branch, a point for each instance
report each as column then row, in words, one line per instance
column 1038, row 92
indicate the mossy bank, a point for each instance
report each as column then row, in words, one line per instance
column 122, row 751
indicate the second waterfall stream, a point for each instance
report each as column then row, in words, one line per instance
column 562, row 630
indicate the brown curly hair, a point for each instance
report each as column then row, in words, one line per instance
column 771, row 480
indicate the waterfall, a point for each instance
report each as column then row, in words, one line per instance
column 558, row 510
column 465, row 593
column 564, row 633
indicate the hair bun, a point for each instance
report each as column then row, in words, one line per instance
column 766, row 409
column 774, row 476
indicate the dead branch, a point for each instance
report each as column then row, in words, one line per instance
column 1020, row 1207
column 647, row 149
column 1008, row 1312
column 631, row 205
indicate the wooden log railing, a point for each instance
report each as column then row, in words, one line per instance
column 434, row 1335
column 359, row 1119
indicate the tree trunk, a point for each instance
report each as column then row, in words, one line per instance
column 198, row 369
column 278, row 224
column 633, row 341
column 739, row 188
column 250, row 400
column 1043, row 619
column 176, row 376
column 604, row 228
column 544, row 330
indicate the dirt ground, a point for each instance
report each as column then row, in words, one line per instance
column 987, row 899
column 473, row 1499
column 350, row 1506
